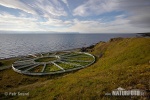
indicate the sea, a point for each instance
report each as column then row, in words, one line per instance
column 13, row 45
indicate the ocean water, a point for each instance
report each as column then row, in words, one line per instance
column 12, row 45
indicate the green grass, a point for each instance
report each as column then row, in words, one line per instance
column 7, row 62
column 66, row 66
column 45, row 59
column 37, row 69
column 79, row 63
column 124, row 63
column 72, row 54
column 25, row 68
column 81, row 58
column 51, row 68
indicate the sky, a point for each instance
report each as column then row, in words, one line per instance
column 83, row 16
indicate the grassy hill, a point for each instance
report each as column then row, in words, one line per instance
column 119, row 63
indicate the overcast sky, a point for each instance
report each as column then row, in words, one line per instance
column 84, row 16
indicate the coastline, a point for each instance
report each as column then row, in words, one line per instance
column 116, row 61
column 82, row 49
column 50, row 43
column 145, row 34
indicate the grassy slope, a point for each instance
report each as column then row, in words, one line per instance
column 125, row 63
column 6, row 63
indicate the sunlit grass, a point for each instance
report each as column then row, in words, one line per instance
column 66, row 66
column 51, row 68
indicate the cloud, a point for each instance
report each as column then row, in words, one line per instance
column 94, row 7
column 65, row 2
column 11, row 22
column 57, row 23
column 44, row 8
column 48, row 8
column 137, row 11
column 46, row 15
column 16, row 4
column 119, row 25
column 24, row 23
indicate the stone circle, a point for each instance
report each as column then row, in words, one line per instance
column 52, row 62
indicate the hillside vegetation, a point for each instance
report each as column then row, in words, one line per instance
column 119, row 63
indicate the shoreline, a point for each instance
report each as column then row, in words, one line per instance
column 79, row 48
column 82, row 49
column 86, row 44
column 39, row 52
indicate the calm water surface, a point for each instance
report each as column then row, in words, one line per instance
column 12, row 45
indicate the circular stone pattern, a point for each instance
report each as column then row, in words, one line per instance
column 53, row 62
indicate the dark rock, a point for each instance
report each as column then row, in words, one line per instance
column 86, row 49
column 90, row 47
column 83, row 49
column 115, row 39
column 1, row 64
column 145, row 34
